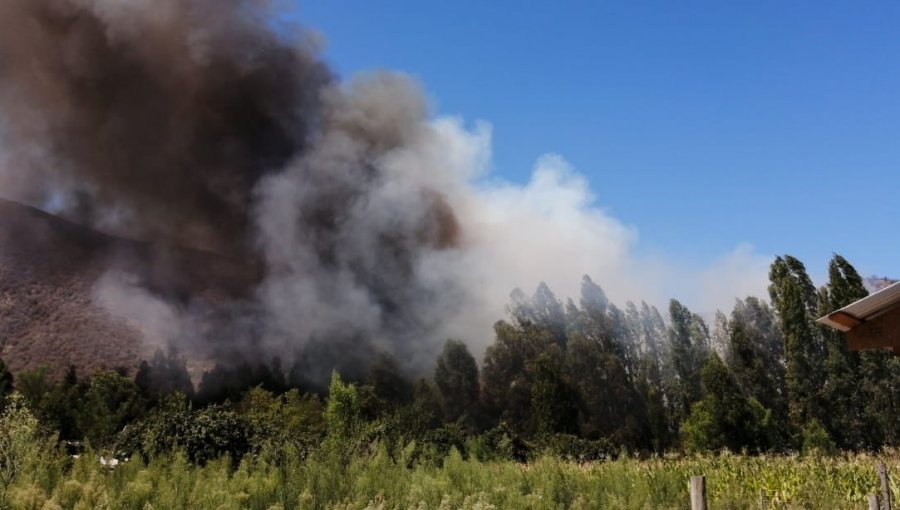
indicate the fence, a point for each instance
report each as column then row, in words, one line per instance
column 698, row 492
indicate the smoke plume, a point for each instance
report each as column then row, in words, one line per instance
column 152, row 118
column 369, row 224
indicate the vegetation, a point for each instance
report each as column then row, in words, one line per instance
column 377, row 477
column 580, row 406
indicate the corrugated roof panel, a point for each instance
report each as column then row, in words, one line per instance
column 864, row 309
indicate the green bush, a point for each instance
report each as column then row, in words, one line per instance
column 500, row 443
column 111, row 402
column 287, row 419
column 343, row 413
column 574, row 448
column 24, row 451
column 203, row 435
column 816, row 440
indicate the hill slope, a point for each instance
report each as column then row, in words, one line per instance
column 48, row 268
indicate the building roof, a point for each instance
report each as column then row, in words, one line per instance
column 863, row 310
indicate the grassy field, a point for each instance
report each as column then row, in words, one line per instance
column 377, row 481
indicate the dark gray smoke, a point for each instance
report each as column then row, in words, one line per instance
column 153, row 118
column 199, row 124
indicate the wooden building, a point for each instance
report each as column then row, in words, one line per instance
column 870, row 323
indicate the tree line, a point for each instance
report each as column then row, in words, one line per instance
column 583, row 379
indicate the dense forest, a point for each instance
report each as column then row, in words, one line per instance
column 586, row 380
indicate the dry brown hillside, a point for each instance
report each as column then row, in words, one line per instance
column 48, row 267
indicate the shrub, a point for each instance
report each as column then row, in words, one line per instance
column 574, row 448
column 279, row 420
column 110, row 402
column 20, row 441
column 816, row 440
column 500, row 443
column 203, row 435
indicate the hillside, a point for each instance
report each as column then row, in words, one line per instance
column 48, row 267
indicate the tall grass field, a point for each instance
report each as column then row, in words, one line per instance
column 326, row 479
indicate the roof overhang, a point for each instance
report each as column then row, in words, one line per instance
column 870, row 323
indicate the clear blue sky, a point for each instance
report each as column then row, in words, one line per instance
column 702, row 124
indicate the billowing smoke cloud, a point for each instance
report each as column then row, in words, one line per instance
column 376, row 226
column 154, row 118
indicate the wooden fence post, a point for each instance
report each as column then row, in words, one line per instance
column 873, row 502
column 698, row 493
column 885, row 486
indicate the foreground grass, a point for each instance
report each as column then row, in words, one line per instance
column 376, row 481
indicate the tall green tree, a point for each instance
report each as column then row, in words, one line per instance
column 611, row 406
column 58, row 405
column 725, row 417
column 508, row 372
column 427, row 411
column 456, row 376
column 61, row 405
column 390, row 385
column 881, row 395
column 164, row 374
column 842, row 391
column 594, row 320
column 542, row 309
column 649, row 335
column 755, row 355
column 861, row 388
column 553, row 399
column 795, row 302
column 688, row 349
column 652, row 333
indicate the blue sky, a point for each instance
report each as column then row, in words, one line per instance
column 703, row 125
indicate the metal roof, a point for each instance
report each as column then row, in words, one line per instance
column 863, row 310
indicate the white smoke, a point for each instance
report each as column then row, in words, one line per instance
column 549, row 229
column 552, row 229
column 161, row 324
